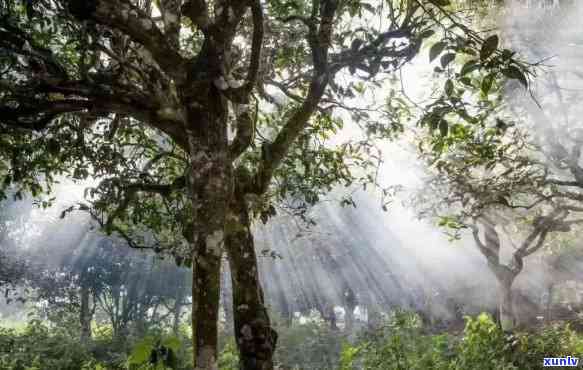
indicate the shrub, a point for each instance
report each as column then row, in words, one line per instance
column 403, row 344
column 39, row 348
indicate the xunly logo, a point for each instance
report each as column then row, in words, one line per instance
column 560, row 361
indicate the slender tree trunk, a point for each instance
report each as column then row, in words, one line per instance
column 374, row 318
column 549, row 303
column 255, row 337
column 85, row 315
column 177, row 310
column 349, row 306
column 333, row 319
column 348, row 318
column 505, row 304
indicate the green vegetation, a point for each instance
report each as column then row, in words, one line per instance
column 401, row 343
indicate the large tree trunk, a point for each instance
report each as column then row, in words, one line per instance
column 85, row 315
column 205, row 311
column 255, row 337
column 210, row 187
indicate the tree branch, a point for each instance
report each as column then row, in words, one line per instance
column 197, row 12
column 319, row 41
column 256, row 47
column 131, row 20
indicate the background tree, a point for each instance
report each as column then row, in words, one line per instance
column 494, row 178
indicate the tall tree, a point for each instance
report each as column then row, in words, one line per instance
column 145, row 95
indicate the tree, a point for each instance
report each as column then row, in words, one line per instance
column 145, row 102
column 492, row 179
column 132, row 289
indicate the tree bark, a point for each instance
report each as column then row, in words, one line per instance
column 505, row 304
column 205, row 311
column 210, row 188
column 85, row 315
column 549, row 303
column 256, row 339
column 227, row 302
column 177, row 313
column 349, row 306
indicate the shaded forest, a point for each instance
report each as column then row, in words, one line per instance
column 290, row 184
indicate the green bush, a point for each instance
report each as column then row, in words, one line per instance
column 309, row 346
column 402, row 344
column 229, row 357
column 40, row 348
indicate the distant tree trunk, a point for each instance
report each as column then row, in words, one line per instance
column 85, row 315
column 255, row 337
column 505, row 304
column 333, row 319
column 177, row 312
column 549, row 303
column 328, row 314
column 286, row 313
column 348, row 318
column 349, row 306
column 505, row 275
column 374, row 318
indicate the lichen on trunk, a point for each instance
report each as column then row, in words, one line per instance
column 256, row 339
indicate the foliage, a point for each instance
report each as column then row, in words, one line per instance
column 155, row 353
column 312, row 345
column 39, row 347
column 482, row 346
column 229, row 358
column 401, row 343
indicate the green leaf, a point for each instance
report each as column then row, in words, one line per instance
column 141, row 351
column 487, row 83
column 172, row 342
column 489, row 47
column 441, row 2
column 469, row 67
column 426, row 34
column 443, row 127
column 516, row 74
column 436, row 49
column 448, row 88
column 446, row 59
column 466, row 81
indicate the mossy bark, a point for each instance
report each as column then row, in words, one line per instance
column 256, row 339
